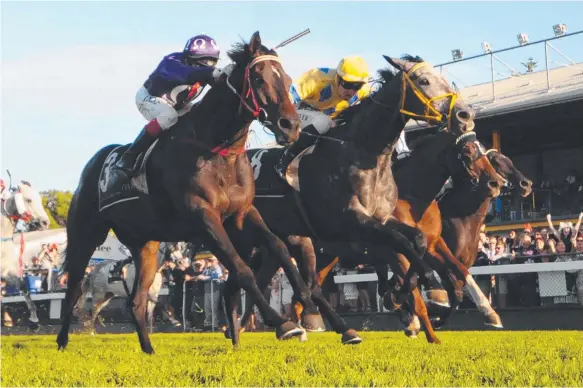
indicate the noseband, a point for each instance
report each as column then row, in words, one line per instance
column 430, row 112
column 257, row 111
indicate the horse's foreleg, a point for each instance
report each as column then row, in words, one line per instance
column 311, row 318
column 97, row 307
column 215, row 237
column 410, row 242
column 231, row 294
column 146, row 267
column 266, row 272
column 482, row 303
column 417, row 306
column 33, row 318
column 441, row 251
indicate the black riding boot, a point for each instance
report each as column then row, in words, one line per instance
column 306, row 139
column 128, row 159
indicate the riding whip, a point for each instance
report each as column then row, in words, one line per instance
column 293, row 38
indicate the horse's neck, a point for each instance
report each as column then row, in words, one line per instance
column 470, row 213
column 7, row 208
column 378, row 126
column 217, row 118
column 421, row 178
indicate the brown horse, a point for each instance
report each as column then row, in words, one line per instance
column 200, row 185
column 433, row 160
column 463, row 210
column 347, row 188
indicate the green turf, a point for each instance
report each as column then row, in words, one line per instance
column 383, row 359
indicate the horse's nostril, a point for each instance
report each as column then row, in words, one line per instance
column 524, row 184
column 284, row 124
column 463, row 115
column 493, row 184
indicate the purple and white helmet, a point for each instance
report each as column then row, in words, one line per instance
column 202, row 46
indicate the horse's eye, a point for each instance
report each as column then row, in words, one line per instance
column 423, row 81
column 259, row 82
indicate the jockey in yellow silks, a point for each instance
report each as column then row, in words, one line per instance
column 320, row 95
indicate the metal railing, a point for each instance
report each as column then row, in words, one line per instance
column 513, row 72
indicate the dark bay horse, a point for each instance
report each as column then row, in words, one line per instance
column 432, row 161
column 200, row 183
column 463, row 210
column 347, row 191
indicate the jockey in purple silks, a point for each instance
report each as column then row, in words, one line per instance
column 170, row 90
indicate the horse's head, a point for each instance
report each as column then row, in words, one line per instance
column 264, row 89
column 476, row 165
column 29, row 205
column 427, row 96
column 507, row 170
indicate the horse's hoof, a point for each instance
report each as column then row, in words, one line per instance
column 288, row 330
column 390, row 302
column 351, row 337
column 33, row 326
column 493, row 319
column 227, row 334
column 438, row 297
column 148, row 349
column 404, row 317
column 411, row 333
column 62, row 341
column 313, row 323
column 434, row 340
column 304, row 337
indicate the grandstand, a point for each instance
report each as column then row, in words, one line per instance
column 535, row 118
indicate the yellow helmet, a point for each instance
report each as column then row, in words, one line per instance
column 353, row 69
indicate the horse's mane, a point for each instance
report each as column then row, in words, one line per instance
column 239, row 53
column 386, row 75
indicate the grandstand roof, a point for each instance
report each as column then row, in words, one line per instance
column 523, row 92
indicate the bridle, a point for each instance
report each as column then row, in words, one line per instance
column 257, row 111
column 255, row 108
column 430, row 112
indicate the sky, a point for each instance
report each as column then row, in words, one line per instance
column 70, row 70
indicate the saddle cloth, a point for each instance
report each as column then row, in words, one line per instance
column 122, row 189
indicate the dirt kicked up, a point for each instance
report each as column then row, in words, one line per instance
column 383, row 359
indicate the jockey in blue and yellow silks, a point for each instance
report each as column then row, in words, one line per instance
column 327, row 92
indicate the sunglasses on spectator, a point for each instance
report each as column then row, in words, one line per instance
column 350, row 85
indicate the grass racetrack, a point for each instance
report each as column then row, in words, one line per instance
column 383, row 359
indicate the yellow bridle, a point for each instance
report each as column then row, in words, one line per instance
column 430, row 113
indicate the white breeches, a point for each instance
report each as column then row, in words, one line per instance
column 152, row 107
column 401, row 146
column 319, row 120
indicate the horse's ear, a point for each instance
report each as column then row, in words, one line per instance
column 399, row 64
column 255, row 44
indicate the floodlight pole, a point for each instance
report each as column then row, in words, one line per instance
column 492, row 70
column 547, row 66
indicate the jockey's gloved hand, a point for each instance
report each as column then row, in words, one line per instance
column 219, row 73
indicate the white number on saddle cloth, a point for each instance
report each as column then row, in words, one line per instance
column 256, row 163
column 103, row 184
